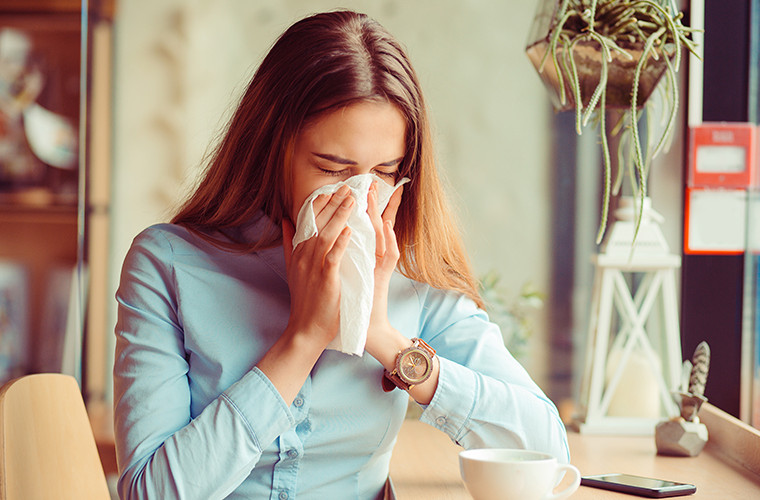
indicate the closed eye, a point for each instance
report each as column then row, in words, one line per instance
column 383, row 173
column 336, row 173
column 388, row 169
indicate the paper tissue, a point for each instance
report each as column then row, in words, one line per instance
column 357, row 269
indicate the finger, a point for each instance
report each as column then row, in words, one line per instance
column 372, row 209
column 319, row 203
column 333, row 228
column 331, row 204
column 377, row 222
column 389, row 214
column 335, row 255
column 392, row 253
column 288, row 231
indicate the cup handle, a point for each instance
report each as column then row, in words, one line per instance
column 570, row 489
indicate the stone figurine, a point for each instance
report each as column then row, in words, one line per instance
column 685, row 435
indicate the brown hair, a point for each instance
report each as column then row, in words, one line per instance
column 321, row 63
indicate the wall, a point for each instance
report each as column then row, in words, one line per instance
column 180, row 65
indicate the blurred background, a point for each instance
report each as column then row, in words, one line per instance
column 108, row 109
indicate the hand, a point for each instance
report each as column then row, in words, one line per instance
column 383, row 341
column 313, row 269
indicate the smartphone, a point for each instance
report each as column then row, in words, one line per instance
column 637, row 485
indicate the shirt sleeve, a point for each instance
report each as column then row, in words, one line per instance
column 163, row 452
column 485, row 398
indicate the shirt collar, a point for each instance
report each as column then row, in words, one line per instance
column 260, row 225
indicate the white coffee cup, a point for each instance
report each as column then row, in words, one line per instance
column 510, row 474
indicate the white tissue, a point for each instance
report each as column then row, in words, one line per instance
column 357, row 269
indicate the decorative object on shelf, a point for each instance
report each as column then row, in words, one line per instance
column 20, row 84
column 685, row 435
column 39, row 109
column 632, row 363
column 52, row 137
column 599, row 55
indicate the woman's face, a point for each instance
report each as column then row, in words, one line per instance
column 365, row 137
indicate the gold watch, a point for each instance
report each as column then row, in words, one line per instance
column 413, row 366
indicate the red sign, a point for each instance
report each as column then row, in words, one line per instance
column 723, row 155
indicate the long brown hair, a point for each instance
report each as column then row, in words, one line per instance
column 321, row 63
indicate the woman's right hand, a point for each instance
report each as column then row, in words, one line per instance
column 313, row 268
column 314, row 285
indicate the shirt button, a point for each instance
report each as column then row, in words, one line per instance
column 440, row 420
column 283, row 495
column 298, row 402
column 292, row 453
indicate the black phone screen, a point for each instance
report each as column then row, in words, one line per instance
column 639, row 485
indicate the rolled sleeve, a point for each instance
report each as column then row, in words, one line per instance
column 261, row 406
column 484, row 398
column 454, row 400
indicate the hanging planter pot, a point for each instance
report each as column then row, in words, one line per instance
column 588, row 61
column 599, row 55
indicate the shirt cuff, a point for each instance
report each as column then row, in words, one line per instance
column 261, row 406
column 454, row 399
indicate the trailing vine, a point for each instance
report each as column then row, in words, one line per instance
column 651, row 27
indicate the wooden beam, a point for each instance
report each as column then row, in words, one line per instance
column 103, row 9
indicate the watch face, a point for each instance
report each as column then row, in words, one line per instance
column 414, row 367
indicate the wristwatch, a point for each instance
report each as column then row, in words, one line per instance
column 413, row 366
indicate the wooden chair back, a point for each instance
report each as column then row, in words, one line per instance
column 47, row 449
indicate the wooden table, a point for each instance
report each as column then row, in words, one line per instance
column 425, row 464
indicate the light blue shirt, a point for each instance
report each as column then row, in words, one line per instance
column 195, row 418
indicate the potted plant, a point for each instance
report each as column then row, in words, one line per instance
column 600, row 55
column 512, row 314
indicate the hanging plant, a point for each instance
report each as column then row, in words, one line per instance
column 597, row 55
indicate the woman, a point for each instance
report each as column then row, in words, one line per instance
column 223, row 383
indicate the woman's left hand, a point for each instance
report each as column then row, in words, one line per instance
column 383, row 341
column 381, row 336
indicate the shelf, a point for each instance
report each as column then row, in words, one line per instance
column 102, row 8
column 38, row 214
